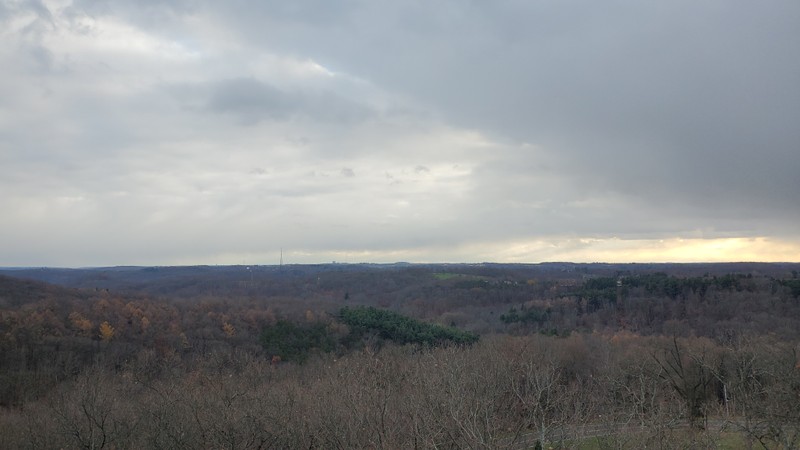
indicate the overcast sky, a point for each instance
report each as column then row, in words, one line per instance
column 207, row 132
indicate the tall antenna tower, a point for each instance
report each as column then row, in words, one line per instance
column 281, row 264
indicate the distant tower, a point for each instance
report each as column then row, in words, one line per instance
column 281, row 264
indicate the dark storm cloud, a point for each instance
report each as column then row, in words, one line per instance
column 678, row 102
column 251, row 101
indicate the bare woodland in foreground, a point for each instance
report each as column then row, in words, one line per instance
column 597, row 358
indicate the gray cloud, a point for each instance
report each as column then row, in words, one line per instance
column 251, row 101
column 419, row 130
column 250, row 98
column 696, row 100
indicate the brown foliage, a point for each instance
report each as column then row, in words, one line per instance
column 106, row 331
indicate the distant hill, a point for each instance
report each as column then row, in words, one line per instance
column 172, row 279
column 15, row 292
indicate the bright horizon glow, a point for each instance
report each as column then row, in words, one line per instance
column 575, row 250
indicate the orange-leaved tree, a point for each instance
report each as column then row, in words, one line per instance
column 106, row 331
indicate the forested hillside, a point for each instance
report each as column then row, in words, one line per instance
column 400, row 356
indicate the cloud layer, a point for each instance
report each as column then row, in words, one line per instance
column 191, row 131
